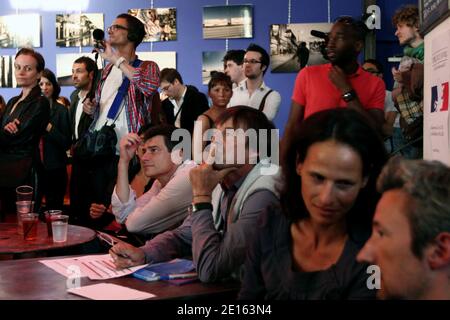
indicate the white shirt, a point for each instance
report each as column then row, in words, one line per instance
column 79, row 112
column 159, row 208
column 109, row 92
column 176, row 108
column 241, row 96
column 390, row 107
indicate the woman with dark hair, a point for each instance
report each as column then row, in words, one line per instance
column 56, row 141
column 22, row 124
column 307, row 248
column 220, row 90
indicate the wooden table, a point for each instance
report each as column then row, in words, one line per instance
column 28, row 279
column 13, row 245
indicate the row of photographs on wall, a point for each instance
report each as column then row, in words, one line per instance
column 285, row 41
column 64, row 62
column 75, row 30
column 285, row 53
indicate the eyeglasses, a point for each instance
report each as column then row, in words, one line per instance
column 252, row 61
column 165, row 88
column 115, row 27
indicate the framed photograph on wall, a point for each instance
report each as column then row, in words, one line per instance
column 75, row 30
column 292, row 46
column 64, row 63
column 212, row 62
column 164, row 59
column 222, row 22
column 160, row 23
column 20, row 30
column 7, row 79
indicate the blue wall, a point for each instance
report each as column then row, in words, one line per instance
column 190, row 44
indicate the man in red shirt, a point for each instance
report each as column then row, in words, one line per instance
column 342, row 83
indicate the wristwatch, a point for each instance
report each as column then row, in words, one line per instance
column 349, row 96
column 200, row 206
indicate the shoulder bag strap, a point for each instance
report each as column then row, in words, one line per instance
column 263, row 101
column 113, row 112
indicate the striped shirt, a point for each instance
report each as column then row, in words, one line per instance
column 138, row 101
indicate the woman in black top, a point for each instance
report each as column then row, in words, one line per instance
column 22, row 124
column 307, row 248
column 55, row 143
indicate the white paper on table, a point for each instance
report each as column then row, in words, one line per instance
column 95, row 267
column 110, row 291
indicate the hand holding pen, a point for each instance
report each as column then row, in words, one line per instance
column 125, row 255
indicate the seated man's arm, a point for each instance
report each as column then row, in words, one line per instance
column 218, row 255
column 170, row 244
column 156, row 212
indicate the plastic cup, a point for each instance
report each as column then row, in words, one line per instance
column 24, row 193
column 29, row 225
column 48, row 219
column 59, row 228
column 22, row 207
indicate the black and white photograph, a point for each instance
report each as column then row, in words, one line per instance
column 164, row 59
column 212, row 62
column 20, row 30
column 292, row 46
column 7, row 79
column 160, row 23
column 64, row 63
column 223, row 22
column 75, row 30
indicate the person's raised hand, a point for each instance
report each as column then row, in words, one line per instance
column 128, row 146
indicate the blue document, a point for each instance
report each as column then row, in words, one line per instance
column 174, row 269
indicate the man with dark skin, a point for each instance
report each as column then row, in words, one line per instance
column 340, row 83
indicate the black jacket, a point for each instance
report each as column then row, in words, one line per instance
column 34, row 114
column 194, row 104
column 85, row 120
column 58, row 140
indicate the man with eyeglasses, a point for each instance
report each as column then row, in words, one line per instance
column 184, row 103
column 165, row 205
column 252, row 91
column 128, row 108
column 342, row 83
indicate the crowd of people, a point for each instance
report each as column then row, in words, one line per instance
column 188, row 176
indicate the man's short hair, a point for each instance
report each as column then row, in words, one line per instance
column 136, row 29
column 408, row 14
column 164, row 130
column 169, row 75
column 428, row 184
column 234, row 55
column 89, row 64
column 40, row 62
column 358, row 28
column 244, row 117
column 376, row 63
column 265, row 59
